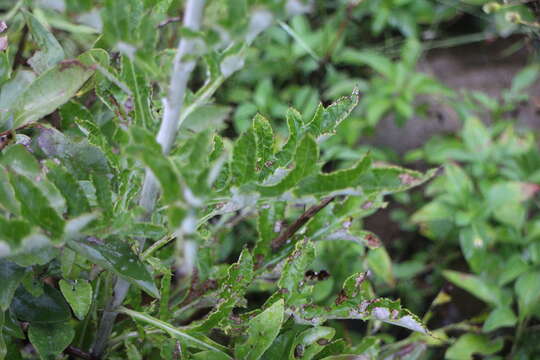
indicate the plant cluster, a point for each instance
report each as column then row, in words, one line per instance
column 162, row 198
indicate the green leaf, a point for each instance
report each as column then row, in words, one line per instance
column 18, row 158
column 335, row 181
column 50, row 339
column 269, row 216
column 527, row 289
column 261, row 332
column 53, row 88
column 265, row 145
column 78, row 295
column 244, row 158
column 476, row 136
column 35, row 206
column 311, row 342
column 500, row 317
column 116, row 255
column 205, row 117
column 325, row 121
column 376, row 61
column 49, row 307
column 305, row 163
column 380, row 263
column 102, row 186
column 294, row 125
column 232, row 290
column 210, row 355
column 145, row 148
column 8, row 200
column 525, row 78
column 392, row 179
column 11, row 92
column 491, row 294
column 193, row 339
column 51, row 52
column 504, row 199
column 77, row 202
column 96, row 137
column 81, row 159
column 292, row 275
column 13, row 232
column 10, row 276
column 137, row 83
column 470, row 344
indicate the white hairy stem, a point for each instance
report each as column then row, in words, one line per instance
column 182, row 68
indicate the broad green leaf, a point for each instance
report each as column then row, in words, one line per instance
column 458, row 183
column 527, row 289
column 10, row 276
column 53, row 88
column 12, row 232
column 18, row 158
column 376, row 61
column 117, row 255
column 8, row 201
column 476, row 136
column 380, row 263
column 281, row 346
column 500, row 317
column 80, row 158
column 391, row 179
column 50, row 339
column 35, row 206
column 206, row 117
column 294, row 125
column 193, row 339
column 292, row 275
column 36, row 249
column 49, row 307
column 244, row 159
column 335, row 181
column 96, row 138
column 102, row 186
column 381, row 309
column 51, row 52
column 11, row 92
column 270, row 215
column 325, row 121
column 261, row 332
column 239, row 277
column 311, row 342
column 525, row 78
column 305, row 163
column 504, row 199
column 476, row 286
column 78, row 294
column 470, row 344
column 77, row 202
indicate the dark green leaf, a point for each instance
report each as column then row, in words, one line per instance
column 50, row 339
column 50, row 307
column 117, row 256
column 261, row 332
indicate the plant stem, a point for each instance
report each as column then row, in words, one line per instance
column 298, row 223
column 170, row 124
